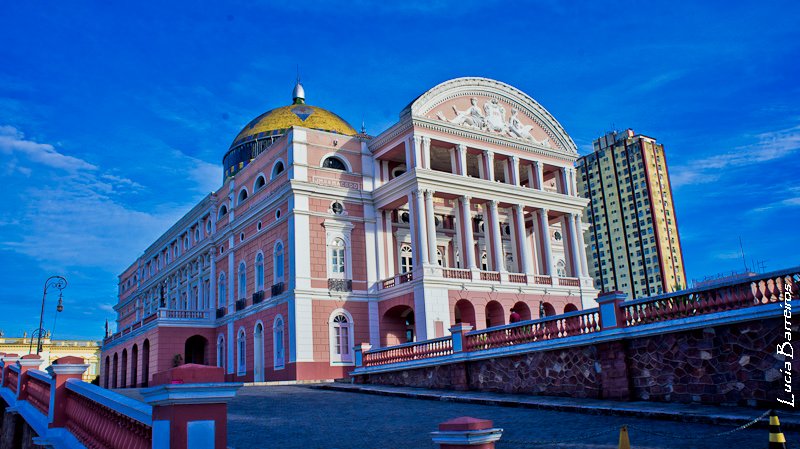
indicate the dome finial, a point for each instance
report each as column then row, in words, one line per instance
column 298, row 93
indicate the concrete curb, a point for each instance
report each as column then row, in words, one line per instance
column 632, row 409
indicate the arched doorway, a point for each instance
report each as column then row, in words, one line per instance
column 570, row 308
column 465, row 312
column 523, row 310
column 124, row 379
column 134, row 367
column 115, row 372
column 546, row 309
column 258, row 353
column 146, row 363
column 195, row 350
column 107, row 372
column 397, row 326
column 494, row 314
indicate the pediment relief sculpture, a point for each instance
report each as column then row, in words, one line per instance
column 492, row 118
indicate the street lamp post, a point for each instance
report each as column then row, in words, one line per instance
column 56, row 282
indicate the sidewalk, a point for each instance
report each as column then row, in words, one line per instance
column 703, row 414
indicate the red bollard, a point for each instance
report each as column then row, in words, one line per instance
column 466, row 433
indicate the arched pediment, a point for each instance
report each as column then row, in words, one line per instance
column 490, row 107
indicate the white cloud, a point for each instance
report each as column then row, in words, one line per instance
column 13, row 142
column 769, row 146
column 70, row 212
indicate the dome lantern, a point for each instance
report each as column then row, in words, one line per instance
column 298, row 93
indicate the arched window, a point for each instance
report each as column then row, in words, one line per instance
column 259, row 272
column 223, row 210
column 406, row 258
column 277, row 343
column 241, row 343
column 277, row 169
column 277, row 258
column 341, row 334
column 242, row 196
column 242, row 280
column 222, row 298
column 221, row 351
column 334, row 163
column 259, row 184
column 336, row 256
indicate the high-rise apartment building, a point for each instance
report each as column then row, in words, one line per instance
column 632, row 238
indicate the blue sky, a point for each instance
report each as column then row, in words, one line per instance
column 114, row 117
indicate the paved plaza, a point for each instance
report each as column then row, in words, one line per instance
column 302, row 417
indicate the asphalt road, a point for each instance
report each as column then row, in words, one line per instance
column 300, row 417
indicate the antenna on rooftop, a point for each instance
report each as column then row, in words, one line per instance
column 741, row 248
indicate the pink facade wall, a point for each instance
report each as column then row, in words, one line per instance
column 480, row 300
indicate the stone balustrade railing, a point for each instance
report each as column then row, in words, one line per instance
column 186, row 407
column 38, row 390
column 761, row 289
column 465, row 274
column 613, row 313
column 409, row 351
column 566, row 325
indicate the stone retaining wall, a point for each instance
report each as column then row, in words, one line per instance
column 732, row 364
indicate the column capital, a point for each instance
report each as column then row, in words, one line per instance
column 425, row 140
column 429, row 193
column 466, row 198
column 514, row 158
column 461, row 147
column 493, row 203
column 488, row 153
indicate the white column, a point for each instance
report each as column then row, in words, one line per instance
column 374, row 324
column 497, row 242
column 421, row 240
column 565, row 181
column 200, row 293
column 431, row 221
column 581, row 246
column 548, row 253
column 525, row 250
column 372, row 244
column 481, row 166
column 426, row 152
column 577, row 266
column 458, row 246
column 489, row 159
column 380, row 235
column 515, row 170
column 573, row 182
column 462, row 159
column 389, row 243
column 416, row 151
column 212, row 284
column 539, row 172
column 469, row 241
column 453, row 161
column 408, row 144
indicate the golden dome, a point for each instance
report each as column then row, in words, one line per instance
column 279, row 120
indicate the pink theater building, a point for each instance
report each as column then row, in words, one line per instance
column 321, row 238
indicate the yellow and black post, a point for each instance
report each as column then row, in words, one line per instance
column 624, row 442
column 776, row 438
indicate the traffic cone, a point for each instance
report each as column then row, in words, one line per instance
column 776, row 438
column 625, row 443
